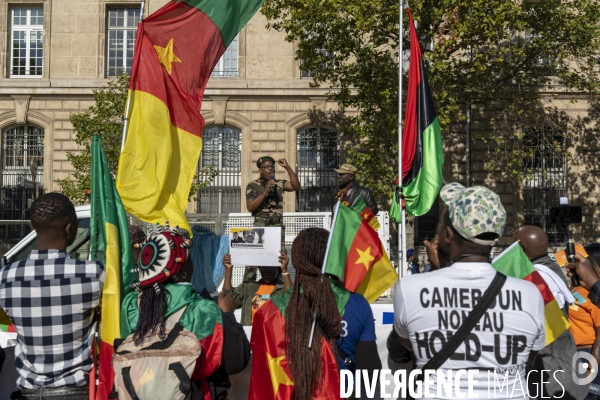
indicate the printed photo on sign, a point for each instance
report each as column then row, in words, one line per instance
column 258, row 246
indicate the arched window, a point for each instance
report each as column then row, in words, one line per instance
column 22, row 156
column 545, row 172
column 222, row 148
column 318, row 155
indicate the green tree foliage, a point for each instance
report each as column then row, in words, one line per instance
column 498, row 54
column 105, row 118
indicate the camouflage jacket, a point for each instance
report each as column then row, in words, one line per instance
column 270, row 211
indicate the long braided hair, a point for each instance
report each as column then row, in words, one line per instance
column 308, row 254
column 162, row 256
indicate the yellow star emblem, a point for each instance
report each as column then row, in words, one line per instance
column 166, row 56
column 364, row 215
column 364, row 257
column 278, row 375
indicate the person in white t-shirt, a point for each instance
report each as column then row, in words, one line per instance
column 429, row 308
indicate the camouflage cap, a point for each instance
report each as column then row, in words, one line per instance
column 346, row 169
column 473, row 211
column 263, row 159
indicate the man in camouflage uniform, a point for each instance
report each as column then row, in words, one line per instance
column 264, row 196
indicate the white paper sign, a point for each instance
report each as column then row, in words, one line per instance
column 256, row 247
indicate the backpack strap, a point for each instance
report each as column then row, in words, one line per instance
column 128, row 384
column 467, row 326
column 175, row 317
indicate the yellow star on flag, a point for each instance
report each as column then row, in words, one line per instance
column 364, row 257
column 278, row 375
column 166, row 56
column 365, row 215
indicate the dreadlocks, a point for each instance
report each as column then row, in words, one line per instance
column 308, row 254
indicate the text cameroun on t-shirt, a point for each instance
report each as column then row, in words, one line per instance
column 429, row 308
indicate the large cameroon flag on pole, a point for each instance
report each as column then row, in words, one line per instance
column 176, row 50
column 513, row 262
column 423, row 155
column 111, row 245
column 356, row 255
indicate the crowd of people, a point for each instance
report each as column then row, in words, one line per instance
column 462, row 314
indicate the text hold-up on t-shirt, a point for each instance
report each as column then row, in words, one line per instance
column 429, row 309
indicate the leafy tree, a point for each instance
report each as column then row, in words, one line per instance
column 499, row 55
column 105, row 118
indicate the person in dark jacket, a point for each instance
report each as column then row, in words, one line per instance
column 348, row 190
column 559, row 354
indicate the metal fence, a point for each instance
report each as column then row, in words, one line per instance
column 293, row 222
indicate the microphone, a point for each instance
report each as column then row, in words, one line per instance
column 272, row 176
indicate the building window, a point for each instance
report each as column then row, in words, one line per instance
column 318, row 155
column 545, row 172
column 222, row 148
column 311, row 74
column 426, row 225
column 22, row 148
column 27, row 41
column 122, row 29
column 227, row 66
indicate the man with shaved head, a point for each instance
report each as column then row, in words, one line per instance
column 558, row 355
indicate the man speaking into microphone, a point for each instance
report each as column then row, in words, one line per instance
column 264, row 196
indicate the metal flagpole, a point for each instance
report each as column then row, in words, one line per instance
column 128, row 104
column 402, row 226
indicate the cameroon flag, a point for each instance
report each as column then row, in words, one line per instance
column 422, row 152
column 356, row 256
column 271, row 378
column 360, row 206
column 176, row 50
column 111, row 245
column 513, row 262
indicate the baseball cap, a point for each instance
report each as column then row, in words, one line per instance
column 346, row 169
column 263, row 159
column 474, row 211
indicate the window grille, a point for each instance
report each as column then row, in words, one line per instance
column 545, row 180
column 27, row 41
column 21, row 146
column 318, row 154
column 122, row 29
column 222, row 148
column 311, row 74
column 227, row 66
column 426, row 225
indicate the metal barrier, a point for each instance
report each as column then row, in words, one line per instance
column 294, row 223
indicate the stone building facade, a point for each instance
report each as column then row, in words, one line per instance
column 53, row 53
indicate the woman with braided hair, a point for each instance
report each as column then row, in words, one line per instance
column 163, row 289
column 344, row 336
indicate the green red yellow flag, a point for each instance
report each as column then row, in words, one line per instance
column 360, row 206
column 271, row 378
column 176, row 50
column 111, row 245
column 356, row 256
column 513, row 262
